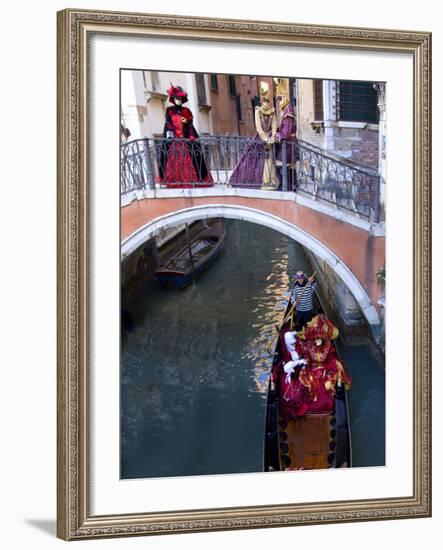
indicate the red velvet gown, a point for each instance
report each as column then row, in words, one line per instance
column 181, row 162
column 311, row 389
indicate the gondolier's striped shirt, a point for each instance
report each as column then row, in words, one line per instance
column 306, row 292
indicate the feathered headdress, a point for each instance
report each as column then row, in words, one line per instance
column 177, row 91
column 319, row 327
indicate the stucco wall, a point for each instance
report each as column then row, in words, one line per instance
column 358, row 142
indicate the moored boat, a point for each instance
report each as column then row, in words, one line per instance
column 305, row 440
column 185, row 262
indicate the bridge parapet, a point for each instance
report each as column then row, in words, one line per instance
column 233, row 162
column 353, row 252
column 221, row 194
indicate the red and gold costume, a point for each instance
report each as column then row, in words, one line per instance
column 181, row 162
column 311, row 388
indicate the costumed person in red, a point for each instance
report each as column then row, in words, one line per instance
column 285, row 374
column 181, row 162
column 308, row 379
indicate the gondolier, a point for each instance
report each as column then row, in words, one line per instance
column 307, row 415
column 301, row 297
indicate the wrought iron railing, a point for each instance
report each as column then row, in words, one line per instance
column 239, row 162
column 136, row 168
column 339, row 182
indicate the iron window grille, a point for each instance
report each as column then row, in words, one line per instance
column 213, row 82
column 318, row 100
column 357, row 102
column 238, row 105
column 201, row 89
column 231, row 85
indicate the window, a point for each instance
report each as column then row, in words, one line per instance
column 357, row 102
column 201, row 89
column 239, row 108
column 214, row 82
column 155, row 81
column 318, row 100
column 231, row 85
column 255, row 100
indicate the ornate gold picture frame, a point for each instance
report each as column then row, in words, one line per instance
column 75, row 31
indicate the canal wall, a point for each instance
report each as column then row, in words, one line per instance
column 339, row 303
column 137, row 269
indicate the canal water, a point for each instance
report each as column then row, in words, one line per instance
column 194, row 367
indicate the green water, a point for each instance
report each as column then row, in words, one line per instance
column 194, row 368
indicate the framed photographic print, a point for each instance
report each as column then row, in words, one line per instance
column 244, row 274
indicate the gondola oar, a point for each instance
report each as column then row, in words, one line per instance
column 295, row 304
column 290, row 313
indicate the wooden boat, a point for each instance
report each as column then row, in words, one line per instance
column 188, row 260
column 313, row 441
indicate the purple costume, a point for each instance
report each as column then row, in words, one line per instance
column 286, row 132
column 250, row 169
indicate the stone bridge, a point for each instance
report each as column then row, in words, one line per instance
column 354, row 248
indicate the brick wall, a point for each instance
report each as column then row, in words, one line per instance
column 224, row 111
column 358, row 144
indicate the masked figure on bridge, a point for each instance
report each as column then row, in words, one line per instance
column 180, row 158
column 286, row 133
column 309, row 377
column 256, row 166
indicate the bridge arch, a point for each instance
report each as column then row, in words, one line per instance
column 205, row 211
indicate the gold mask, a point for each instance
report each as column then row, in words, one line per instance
column 281, row 87
column 264, row 91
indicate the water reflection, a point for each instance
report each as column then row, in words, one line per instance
column 194, row 369
column 271, row 305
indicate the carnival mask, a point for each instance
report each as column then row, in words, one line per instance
column 176, row 93
column 318, row 349
column 264, row 91
column 282, row 101
column 316, row 336
column 281, row 86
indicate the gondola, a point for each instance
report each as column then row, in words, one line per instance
column 188, row 260
column 312, row 441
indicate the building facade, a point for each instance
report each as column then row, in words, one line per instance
column 345, row 118
column 144, row 101
column 233, row 100
column 341, row 117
